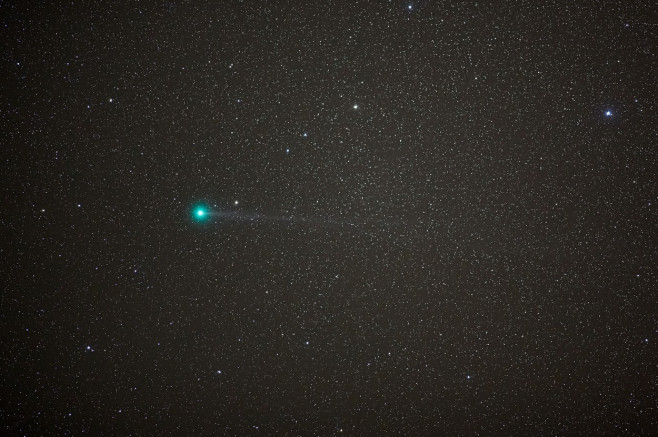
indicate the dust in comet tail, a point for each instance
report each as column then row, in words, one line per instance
column 331, row 217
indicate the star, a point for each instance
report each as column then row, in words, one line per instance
column 410, row 7
column 608, row 113
column 355, row 106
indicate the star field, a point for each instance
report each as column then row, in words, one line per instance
column 329, row 218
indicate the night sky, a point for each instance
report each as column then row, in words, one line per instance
column 329, row 218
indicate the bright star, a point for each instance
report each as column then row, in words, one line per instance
column 608, row 113
column 355, row 106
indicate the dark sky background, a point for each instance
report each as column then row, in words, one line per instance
column 445, row 223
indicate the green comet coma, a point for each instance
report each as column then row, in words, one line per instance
column 200, row 213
